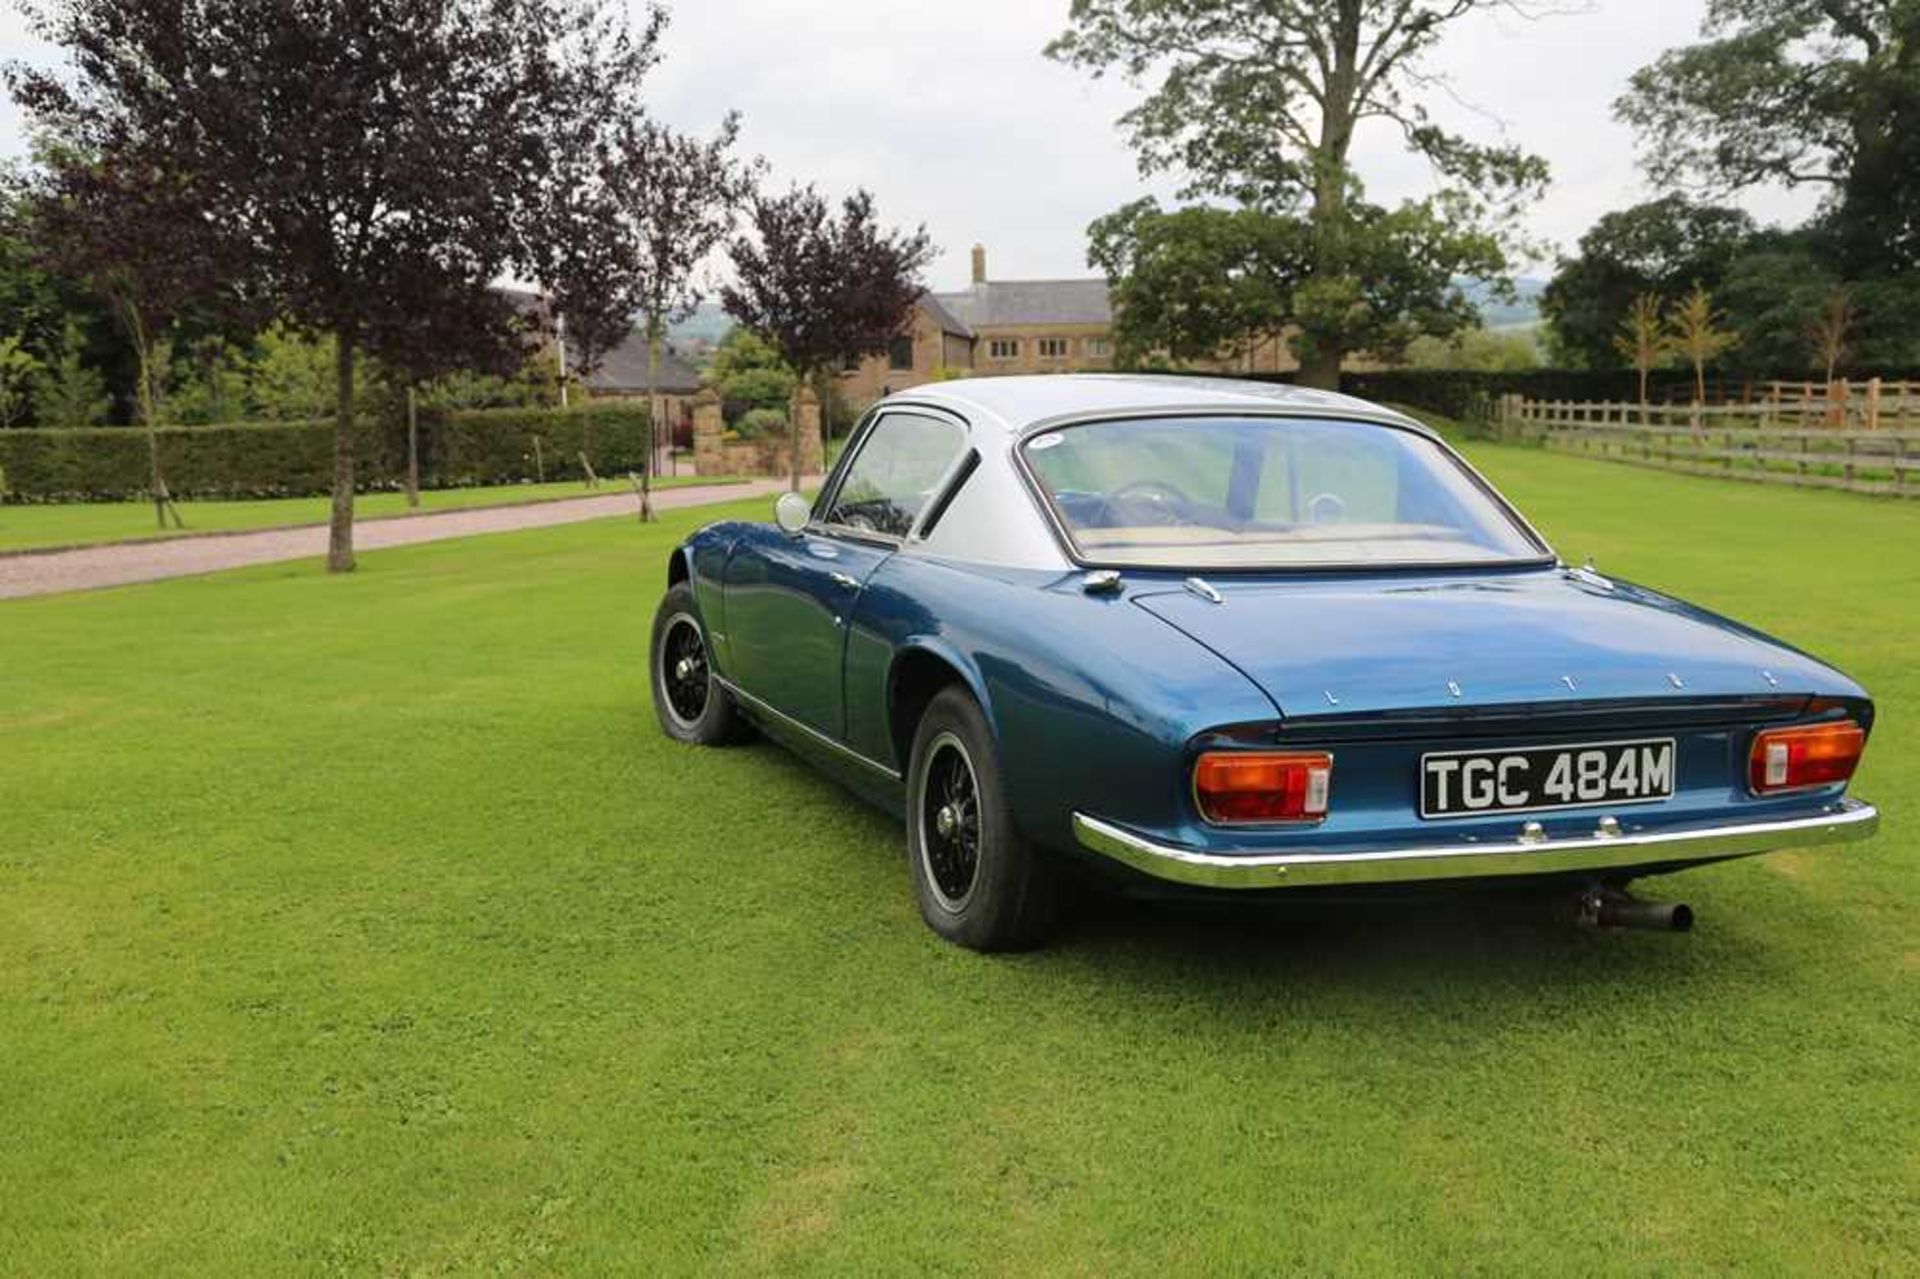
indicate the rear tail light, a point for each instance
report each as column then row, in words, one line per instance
column 1263, row 786
column 1786, row 759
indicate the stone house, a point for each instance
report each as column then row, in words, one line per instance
column 622, row 374
column 1014, row 326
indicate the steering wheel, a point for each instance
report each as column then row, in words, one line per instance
column 1166, row 496
column 1326, row 508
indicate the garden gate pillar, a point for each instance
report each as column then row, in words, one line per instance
column 709, row 452
column 813, row 451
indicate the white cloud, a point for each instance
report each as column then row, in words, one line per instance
column 952, row 117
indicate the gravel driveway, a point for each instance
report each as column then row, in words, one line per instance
column 45, row 573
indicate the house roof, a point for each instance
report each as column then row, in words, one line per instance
column 623, row 370
column 946, row 319
column 998, row 303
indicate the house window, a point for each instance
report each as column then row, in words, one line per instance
column 1099, row 348
column 1003, row 349
column 1053, row 348
column 900, row 354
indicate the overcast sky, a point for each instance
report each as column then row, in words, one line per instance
column 951, row 116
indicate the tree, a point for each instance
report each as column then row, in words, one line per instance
column 644, row 205
column 678, row 195
column 666, row 202
column 207, row 382
column 748, row 374
column 37, row 304
column 488, row 338
column 18, row 369
column 823, row 289
column 1832, row 329
column 1403, row 277
column 67, row 391
column 382, row 160
column 1203, row 283
column 1662, row 247
column 1259, row 101
column 1822, row 93
column 1693, row 327
column 1643, row 340
column 1770, row 295
column 1196, row 283
column 292, row 375
column 141, row 234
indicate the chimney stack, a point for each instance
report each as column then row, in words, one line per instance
column 979, row 264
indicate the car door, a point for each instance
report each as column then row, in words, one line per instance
column 790, row 597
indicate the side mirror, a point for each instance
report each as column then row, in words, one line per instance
column 792, row 512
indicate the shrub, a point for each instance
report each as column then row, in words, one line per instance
column 749, row 374
column 761, row 424
column 68, row 391
column 755, row 389
column 18, row 369
column 287, row 459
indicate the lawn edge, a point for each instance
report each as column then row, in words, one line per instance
column 150, row 539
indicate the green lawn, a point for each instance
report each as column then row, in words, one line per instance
column 82, row 523
column 370, row 926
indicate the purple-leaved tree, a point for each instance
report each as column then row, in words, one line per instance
column 138, row 232
column 821, row 288
column 381, row 160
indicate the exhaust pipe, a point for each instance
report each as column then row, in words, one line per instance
column 1610, row 908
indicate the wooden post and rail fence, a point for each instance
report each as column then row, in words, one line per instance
column 1863, row 441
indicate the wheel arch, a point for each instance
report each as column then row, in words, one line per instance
column 921, row 669
column 679, row 566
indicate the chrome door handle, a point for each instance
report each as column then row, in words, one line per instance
column 847, row 580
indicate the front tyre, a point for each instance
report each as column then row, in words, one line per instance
column 977, row 881
column 688, row 699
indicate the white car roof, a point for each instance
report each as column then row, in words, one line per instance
column 994, row 519
column 1014, row 403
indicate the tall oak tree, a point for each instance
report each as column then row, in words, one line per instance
column 1260, row 101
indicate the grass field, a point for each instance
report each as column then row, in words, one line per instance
column 84, row 523
column 370, row 925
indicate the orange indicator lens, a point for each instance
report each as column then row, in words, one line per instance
column 1263, row 786
column 1811, row 755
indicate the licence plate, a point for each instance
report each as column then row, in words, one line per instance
column 1538, row 778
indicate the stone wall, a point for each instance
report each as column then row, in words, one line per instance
column 715, row 454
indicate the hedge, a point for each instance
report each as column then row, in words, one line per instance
column 291, row 459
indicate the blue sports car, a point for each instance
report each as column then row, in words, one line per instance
column 1234, row 637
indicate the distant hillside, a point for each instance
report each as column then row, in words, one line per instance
column 1522, row 313
column 708, row 321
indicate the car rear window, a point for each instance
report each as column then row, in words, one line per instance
column 1229, row 492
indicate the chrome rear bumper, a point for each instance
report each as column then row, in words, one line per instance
column 1845, row 821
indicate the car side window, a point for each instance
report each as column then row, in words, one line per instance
column 893, row 476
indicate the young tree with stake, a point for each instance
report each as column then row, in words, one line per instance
column 1832, row 330
column 1695, row 332
column 656, row 205
column 141, row 234
column 1643, row 341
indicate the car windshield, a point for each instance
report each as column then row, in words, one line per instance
column 1227, row 492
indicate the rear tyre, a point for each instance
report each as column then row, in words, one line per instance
column 691, row 705
column 977, row 881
